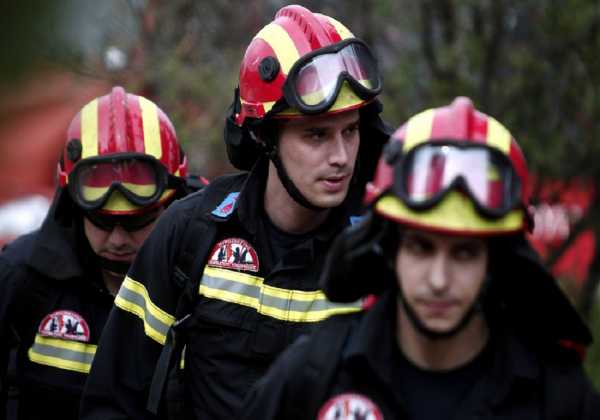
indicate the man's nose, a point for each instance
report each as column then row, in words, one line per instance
column 339, row 150
column 118, row 236
column 438, row 274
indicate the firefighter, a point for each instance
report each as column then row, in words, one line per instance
column 229, row 278
column 120, row 168
column 466, row 322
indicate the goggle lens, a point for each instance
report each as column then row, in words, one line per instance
column 430, row 170
column 318, row 80
column 138, row 177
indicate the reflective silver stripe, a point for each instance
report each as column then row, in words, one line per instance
column 62, row 354
column 133, row 297
column 284, row 304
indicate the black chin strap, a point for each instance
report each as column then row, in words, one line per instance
column 476, row 307
column 119, row 267
column 288, row 184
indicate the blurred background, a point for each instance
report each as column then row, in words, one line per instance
column 532, row 64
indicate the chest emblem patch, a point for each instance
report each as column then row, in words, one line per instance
column 350, row 406
column 234, row 253
column 65, row 324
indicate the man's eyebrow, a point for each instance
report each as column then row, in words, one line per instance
column 316, row 129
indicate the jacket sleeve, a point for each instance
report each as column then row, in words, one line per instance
column 590, row 406
column 119, row 381
column 270, row 397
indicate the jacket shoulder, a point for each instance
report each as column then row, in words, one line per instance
column 210, row 197
column 18, row 251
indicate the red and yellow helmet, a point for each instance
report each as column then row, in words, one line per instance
column 121, row 155
column 304, row 63
column 453, row 170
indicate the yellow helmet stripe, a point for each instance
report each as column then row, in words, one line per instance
column 152, row 143
column 455, row 212
column 282, row 44
column 418, row 129
column 89, row 129
column 498, row 136
column 340, row 28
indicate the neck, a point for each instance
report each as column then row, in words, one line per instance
column 112, row 281
column 441, row 354
column 285, row 212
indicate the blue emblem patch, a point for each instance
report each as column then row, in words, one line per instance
column 227, row 206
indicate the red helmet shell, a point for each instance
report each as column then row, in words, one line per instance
column 294, row 32
column 121, row 122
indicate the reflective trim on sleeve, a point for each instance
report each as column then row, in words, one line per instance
column 283, row 304
column 62, row 354
column 133, row 297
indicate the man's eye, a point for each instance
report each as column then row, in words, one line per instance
column 351, row 130
column 466, row 252
column 416, row 247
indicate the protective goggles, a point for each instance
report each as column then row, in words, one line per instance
column 141, row 179
column 427, row 172
column 130, row 223
column 314, row 81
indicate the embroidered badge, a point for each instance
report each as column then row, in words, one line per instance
column 65, row 324
column 234, row 253
column 350, row 406
column 226, row 207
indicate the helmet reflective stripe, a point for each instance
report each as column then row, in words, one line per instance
column 152, row 141
column 282, row 44
column 89, row 130
column 498, row 136
column 340, row 28
column 418, row 129
column 455, row 213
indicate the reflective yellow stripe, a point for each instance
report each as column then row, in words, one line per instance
column 283, row 304
column 282, row 44
column 341, row 29
column 151, row 125
column 418, row 129
column 89, row 129
column 498, row 136
column 62, row 354
column 455, row 212
column 133, row 297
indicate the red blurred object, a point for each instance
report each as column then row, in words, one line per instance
column 34, row 117
column 562, row 204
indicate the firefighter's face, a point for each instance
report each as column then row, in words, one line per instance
column 116, row 243
column 319, row 154
column 440, row 276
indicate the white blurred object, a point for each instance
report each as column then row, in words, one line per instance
column 115, row 59
column 552, row 222
column 22, row 215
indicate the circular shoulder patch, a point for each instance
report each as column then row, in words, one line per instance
column 350, row 406
column 68, row 325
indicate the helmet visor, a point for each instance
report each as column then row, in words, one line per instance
column 429, row 171
column 315, row 80
column 140, row 179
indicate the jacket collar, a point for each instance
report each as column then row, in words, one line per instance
column 514, row 364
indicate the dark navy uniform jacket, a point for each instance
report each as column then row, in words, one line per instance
column 53, row 307
column 249, row 305
column 522, row 381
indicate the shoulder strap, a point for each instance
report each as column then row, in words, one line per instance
column 196, row 244
column 321, row 366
